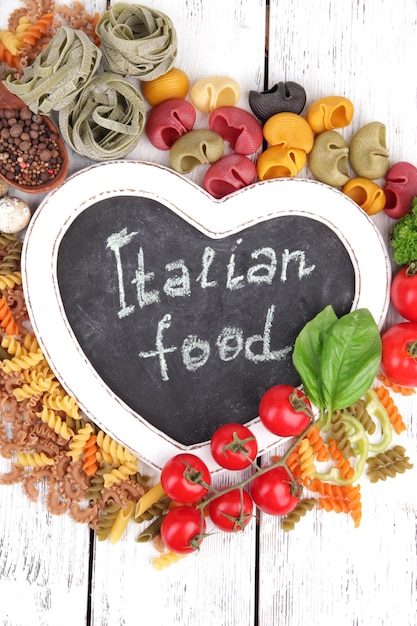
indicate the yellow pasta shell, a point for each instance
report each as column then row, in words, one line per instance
column 367, row 194
column 173, row 84
column 279, row 162
column 368, row 151
column 213, row 92
column 328, row 159
column 289, row 130
column 329, row 113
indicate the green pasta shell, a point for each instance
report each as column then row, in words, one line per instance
column 197, row 147
column 328, row 160
column 368, row 151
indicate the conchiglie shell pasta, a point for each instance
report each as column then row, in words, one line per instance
column 197, row 147
column 289, row 130
column 279, row 162
column 328, row 159
column 366, row 193
column 329, row 113
column 368, row 151
column 210, row 93
column 173, row 84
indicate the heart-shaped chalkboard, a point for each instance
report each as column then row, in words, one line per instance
column 167, row 313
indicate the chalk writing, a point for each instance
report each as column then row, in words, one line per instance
column 179, row 283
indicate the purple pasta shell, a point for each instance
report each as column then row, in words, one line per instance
column 168, row 121
column 283, row 97
column 237, row 126
column 229, row 174
column 400, row 189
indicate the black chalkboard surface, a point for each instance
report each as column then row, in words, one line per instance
column 187, row 330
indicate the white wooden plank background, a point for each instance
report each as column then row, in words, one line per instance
column 325, row 571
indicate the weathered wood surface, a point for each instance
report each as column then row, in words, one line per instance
column 325, row 571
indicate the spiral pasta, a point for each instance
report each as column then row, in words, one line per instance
column 48, row 416
column 60, row 401
column 290, row 520
column 11, row 261
column 38, row 29
column 338, row 433
column 342, row 464
column 7, row 281
column 388, row 464
column 78, row 442
column 90, row 463
column 392, row 410
column 22, row 362
column 106, row 520
column 306, row 459
column 112, row 452
column 7, row 320
column 404, row 391
column 318, row 444
column 358, row 410
column 167, row 559
column 34, row 459
column 120, row 473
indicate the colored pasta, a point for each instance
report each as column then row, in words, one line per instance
column 393, row 413
column 290, row 520
column 388, row 464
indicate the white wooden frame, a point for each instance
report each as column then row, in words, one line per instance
column 216, row 219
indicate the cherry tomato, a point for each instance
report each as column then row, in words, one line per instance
column 404, row 294
column 180, row 478
column 399, row 354
column 285, row 410
column 231, row 511
column 233, row 446
column 182, row 529
column 272, row 492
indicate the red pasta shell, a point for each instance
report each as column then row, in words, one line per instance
column 400, row 189
column 229, row 174
column 239, row 127
column 168, row 121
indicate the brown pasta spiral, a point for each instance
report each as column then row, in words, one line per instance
column 388, row 464
column 290, row 520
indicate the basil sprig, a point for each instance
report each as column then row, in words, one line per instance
column 337, row 359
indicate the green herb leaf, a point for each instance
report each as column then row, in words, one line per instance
column 350, row 359
column 307, row 354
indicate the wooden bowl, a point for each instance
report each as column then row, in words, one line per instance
column 10, row 101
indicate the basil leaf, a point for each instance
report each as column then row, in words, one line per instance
column 350, row 360
column 308, row 350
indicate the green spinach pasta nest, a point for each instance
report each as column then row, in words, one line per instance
column 106, row 120
column 58, row 73
column 137, row 41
